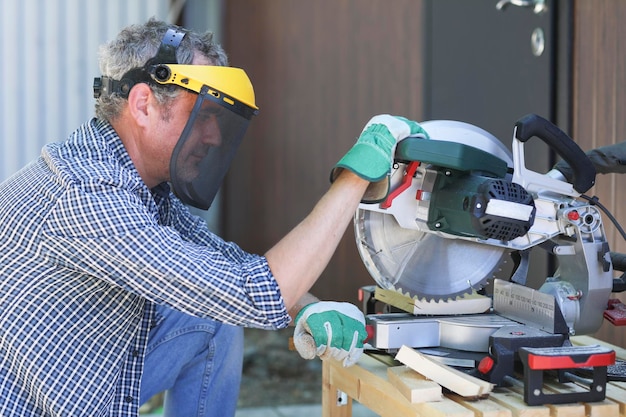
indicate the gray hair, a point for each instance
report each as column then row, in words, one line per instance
column 135, row 45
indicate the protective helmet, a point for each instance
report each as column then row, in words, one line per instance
column 216, row 125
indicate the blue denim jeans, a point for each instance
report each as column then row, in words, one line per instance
column 196, row 362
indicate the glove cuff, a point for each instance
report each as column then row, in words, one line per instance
column 366, row 161
column 369, row 163
column 301, row 312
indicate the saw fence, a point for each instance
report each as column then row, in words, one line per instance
column 373, row 383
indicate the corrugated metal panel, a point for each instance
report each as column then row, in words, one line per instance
column 48, row 58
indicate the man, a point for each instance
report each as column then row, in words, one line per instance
column 609, row 159
column 112, row 291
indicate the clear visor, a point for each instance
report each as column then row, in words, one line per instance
column 205, row 151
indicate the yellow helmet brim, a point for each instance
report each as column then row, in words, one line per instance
column 225, row 83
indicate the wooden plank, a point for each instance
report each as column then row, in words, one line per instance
column 445, row 407
column 378, row 394
column 453, row 379
column 367, row 383
column 616, row 390
column 383, row 398
column 483, row 408
column 619, row 384
column 606, row 408
column 620, row 352
column 573, row 409
column 515, row 402
column 468, row 304
column 369, row 389
column 567, row 410
column 413, row 386
column 618, row 396
column 330, row 408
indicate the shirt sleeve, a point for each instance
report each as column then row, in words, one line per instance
column 110, row 235
column 606, row 160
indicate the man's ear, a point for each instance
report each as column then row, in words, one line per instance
column 139, row 100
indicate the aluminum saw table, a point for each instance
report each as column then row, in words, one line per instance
column 367, row 383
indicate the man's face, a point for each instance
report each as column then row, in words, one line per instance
column 204, row 134
column 169, row 126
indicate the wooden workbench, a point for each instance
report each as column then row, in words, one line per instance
column 367, row 383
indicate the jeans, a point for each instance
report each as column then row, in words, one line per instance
column 197, row 362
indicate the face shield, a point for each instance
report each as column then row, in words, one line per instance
column 216, row 125
column 213, row 132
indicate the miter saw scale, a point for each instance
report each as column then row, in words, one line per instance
column 459, row 207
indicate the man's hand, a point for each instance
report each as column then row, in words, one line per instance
column 330, row 330
column 372, row 155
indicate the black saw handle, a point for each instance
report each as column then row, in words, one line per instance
column 534, row 125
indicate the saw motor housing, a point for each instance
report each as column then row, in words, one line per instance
column 470, row 195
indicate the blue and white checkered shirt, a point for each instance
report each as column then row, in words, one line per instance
column 86, row 251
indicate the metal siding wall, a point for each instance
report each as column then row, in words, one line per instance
column 48, row 58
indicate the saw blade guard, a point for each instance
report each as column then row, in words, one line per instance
column 468, row 134
column 403, row 253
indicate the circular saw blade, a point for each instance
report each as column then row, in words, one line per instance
column 420, row 264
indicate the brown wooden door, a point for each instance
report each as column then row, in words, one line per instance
column 321, row 69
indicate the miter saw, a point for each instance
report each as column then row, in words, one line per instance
column 460, row 207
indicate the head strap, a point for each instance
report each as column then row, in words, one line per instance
column 167, row 51
column 165, row 55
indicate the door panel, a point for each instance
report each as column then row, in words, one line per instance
column 482, row 69
column 320, row 69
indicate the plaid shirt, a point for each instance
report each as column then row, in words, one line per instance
column 86, row 251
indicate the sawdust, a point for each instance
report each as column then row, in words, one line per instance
column 273, row 375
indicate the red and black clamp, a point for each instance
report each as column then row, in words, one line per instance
column 564, row 359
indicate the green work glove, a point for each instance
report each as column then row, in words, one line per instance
column 372, row 155
column 330, row 329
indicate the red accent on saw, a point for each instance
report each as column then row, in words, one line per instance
column 485, row 365
column 569, row 361
column 573, row 215
column 616, row 313
column 369, row 329
column 406, row 183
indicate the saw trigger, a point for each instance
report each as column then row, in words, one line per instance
column 406, row 183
